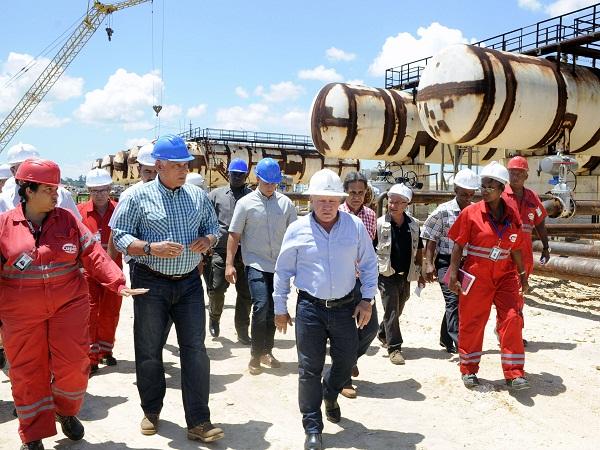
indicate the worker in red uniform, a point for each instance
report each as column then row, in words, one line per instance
column 44, row 304
column 105, row 304
column 490, row 232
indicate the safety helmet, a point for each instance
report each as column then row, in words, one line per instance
column 144, row 156
column 238, row 165
column 495, row 171
column 20, row 152
column 327, row 183
column 98, row 177
column 268, row 170
column 5, row 172
column 518, row 162
column 467, row 179
column 401, row 189
column 171, row 147
column 41, row 171
column 195, row 178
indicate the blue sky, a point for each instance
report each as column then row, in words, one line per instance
column 226, row 64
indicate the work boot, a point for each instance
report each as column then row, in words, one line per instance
column 243, row 338
column 93, row 369
column 332, row 411
column 34, row 445
column 396, row 358
column 470, row 380
column 149, row 424
column 313, row 441
column 450, row 348
column 254, row 366
column 214, row 328
column 109, row 360
column 205, row 432
column 270, row 361
column 355, row 372
column 71, row 427
column 348, row 391
column 2, row 358
column 518, row 384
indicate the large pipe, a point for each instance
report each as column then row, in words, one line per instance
column 569, row 249
column 586, row 270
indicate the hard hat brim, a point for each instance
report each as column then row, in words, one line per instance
column 277, row 181
column 186, row 159
column 498, row 179
column 323, row 193
column 237, row 170
column 465, row 186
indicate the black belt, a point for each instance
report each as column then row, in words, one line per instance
column 147, row 269
column 328, row 302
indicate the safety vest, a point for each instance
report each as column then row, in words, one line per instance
column 384, row 247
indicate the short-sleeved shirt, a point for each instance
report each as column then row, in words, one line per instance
column 126, row 193
column 438, row 224
column 224, row 200
column 261, row 221
column 401, row 254
column 366, row 215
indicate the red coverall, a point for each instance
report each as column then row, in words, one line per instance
column 44, row 311
column 532, row 213
column 105, row 305
column 496, row 282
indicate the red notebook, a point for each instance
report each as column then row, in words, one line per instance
column 465, row 279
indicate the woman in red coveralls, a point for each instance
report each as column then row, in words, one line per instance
column 490, row 232
column 44, row 304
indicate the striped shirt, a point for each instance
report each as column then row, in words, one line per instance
column 438, row 224
column 366, row 215
column 154, row 213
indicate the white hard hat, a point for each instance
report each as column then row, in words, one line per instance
column 97, row 177
column 5, row 172
column 144, row 156
column 467, row 179
column 195, row 178
column 327, row 183
column 495, row 171
column 401, row 189
column 20, row 152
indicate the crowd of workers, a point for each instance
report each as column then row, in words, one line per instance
column 62, row 281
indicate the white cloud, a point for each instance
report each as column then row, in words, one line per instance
column 280, row 92
column 248, row 118
column 357, row 81
column 170, row 112
column 564, row 6
column 136, row 141
column 69, row 169
column 336, row 54
column 241, row 92
column 404, row 47
column 532, row 5
column 196, row 111
column 296, row 121
column 43, row 117
column 320, row 73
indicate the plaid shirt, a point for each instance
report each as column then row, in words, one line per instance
column 155, row 213
column 366, row 215
column 438, row 224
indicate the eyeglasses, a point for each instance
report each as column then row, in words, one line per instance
column 489, row 190
column 99, row 191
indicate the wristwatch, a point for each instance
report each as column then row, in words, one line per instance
column 370, row 302
column 147, row 249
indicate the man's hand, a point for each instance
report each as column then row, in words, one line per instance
column 282, row 321
column 200, row 245
column 362, row 313
column 453, row 283
column 524, row 284
column 230, row 274
column 166, row 249
column 129, row 291
column 428, row 272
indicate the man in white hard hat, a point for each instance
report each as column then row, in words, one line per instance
column 438, row 249
column 10, row 197
column 399, row 253
column 5, row 174
column 323, row 251
column 196, row 179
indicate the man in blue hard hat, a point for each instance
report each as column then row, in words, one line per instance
column 165, row 226
column 224, row 200
column 259, row 222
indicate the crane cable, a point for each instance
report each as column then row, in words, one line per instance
column 158, row 97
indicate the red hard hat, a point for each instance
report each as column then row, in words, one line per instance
column 41, row 171
column 518, row 162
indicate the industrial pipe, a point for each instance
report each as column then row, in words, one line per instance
column 569, row 249
column 583, row 270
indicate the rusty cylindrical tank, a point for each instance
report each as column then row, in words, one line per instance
column 471, row 95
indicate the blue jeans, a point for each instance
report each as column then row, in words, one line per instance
column 314, row 325
column 449, row 327
column 263, row 315
column 181, row 302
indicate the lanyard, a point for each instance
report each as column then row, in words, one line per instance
column 499, row 233
column 36, row 233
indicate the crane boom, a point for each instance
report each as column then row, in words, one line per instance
column 53, row 71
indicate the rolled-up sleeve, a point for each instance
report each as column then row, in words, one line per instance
column 285, row 269
column 367, row 264
column 126, row 220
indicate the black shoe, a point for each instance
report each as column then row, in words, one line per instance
column 332, row 411
column 449, row 348
column 36, row 445
column 525, row 343
column 243, row 338
column 313, row 441
column 109, row 360
column 213, row 328
column 93, row 369
column 71, row 427
column 15, row 412
column 2, row 358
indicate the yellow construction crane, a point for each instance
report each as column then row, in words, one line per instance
column 92, row 20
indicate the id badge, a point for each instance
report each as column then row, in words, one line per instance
column 23, row 262
column 495, row 254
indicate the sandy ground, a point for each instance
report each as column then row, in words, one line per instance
column 422, row 405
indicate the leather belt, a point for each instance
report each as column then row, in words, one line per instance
column 164, row 276
column 328, row 302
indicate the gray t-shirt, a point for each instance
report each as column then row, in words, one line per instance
column 262, row 222
column 224, row 200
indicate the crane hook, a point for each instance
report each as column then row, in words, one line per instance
column 157, row 109
column 109, row 32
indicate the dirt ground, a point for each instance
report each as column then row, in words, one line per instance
column 421, row 405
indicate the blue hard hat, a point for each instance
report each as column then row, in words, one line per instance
column 238, row 165
column 268, row 170
column 171, row 147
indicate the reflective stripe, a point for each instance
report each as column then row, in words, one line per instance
column 39, row 275
column 512, row 355
column 85, row 236
column 70, row 395
column 481, row 255
column 35, row 413
column 40, row 268
column 466, row 355
column 33, row 405
column 487, row 249
column 86, row 244
column 513, row 362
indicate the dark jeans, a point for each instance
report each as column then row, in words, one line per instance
column 314, row 325
column 182, row 302
column 449, row 327
column 395, row 291
column 263, row 316
column 216, row 285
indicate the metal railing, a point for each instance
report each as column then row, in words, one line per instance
column 280, row 140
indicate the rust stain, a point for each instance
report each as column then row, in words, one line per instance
column 570, row 120
column 447, row 104
column 592, row 163
column 401, row 119
column 389, row 121
column 425, row 108
column 431, row 114
column 317, row 116
column 443, row 126
column 352, row 119
column 422, row 138
column 491, row 152
column 450, row 89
